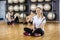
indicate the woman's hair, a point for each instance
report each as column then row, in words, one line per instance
column 39, row 8
column 42, row 12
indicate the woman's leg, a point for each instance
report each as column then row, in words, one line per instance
column 8, row 23
column 28, row 31
column 16, row 20
column 38, row 32
column 12, row 22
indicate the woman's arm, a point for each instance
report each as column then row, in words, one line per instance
column 34, row 25
column 8, row 17
column 43, row 24
column 29, row 18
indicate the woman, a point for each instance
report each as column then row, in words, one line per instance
column 38, row 23
column 10, row 18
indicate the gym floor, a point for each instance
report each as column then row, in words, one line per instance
column 15, row 32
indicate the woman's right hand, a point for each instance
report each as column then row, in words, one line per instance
column 27, row 18
column 32, row 14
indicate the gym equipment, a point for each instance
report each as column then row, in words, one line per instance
column 10, row 8
column 21, row 1
column 16, row 8
column 23, row 15
column 22, row 7
column 15, row 1
column 41, row 6
column 47, row 7
column 16, row 15
column 40, row 0
column 33, row 0
column 51, row 16
column 33, row 7
column 10, row 1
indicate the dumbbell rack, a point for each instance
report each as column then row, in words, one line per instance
column 54, row 4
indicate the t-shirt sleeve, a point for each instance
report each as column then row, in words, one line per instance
column 44, row 21
column 33, row 20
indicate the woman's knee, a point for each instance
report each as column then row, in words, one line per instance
column 42, row 33
column 28, row 30
column 39, row 31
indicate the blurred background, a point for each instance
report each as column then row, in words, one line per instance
column 50, row 8
column 22, row 8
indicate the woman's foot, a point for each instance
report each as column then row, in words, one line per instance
column 37, row 35
column 27, row 34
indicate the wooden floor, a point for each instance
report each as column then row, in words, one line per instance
column 8, row 32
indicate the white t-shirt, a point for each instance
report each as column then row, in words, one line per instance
column 8, row 17
column 38, row 21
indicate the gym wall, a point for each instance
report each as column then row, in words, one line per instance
column 24, row 7
column 59, row 10
column 2, row 9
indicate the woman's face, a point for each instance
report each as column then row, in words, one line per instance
column 38, row 11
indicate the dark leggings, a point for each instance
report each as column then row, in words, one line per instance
column 10, row 23
column 16, row 20
column 38, row 31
